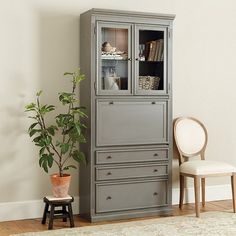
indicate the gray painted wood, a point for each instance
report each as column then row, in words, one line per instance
column 133, row 195
column 126, row 172
column 137, row 147
column 129, row 156
column 131, row 122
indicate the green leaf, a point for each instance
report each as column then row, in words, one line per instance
column 68, row 73
column 64, row 147
column 66, row 98
column 46, row 108
column 63, row 119
column 45, row 166
column 34, row 131
column 51, row 129
column 48, row 140
column 50, row 160
column 41, row 160
column 39, row 93
column 70, row 166
column 41, row 151
column 32, row 126
column 77, row 128
column 45, row 161
column 79, row 157
column 37, row 139
column 31, row 107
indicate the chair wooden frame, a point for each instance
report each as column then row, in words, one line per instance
column 199, row 178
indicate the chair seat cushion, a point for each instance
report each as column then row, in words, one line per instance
column 202, row 167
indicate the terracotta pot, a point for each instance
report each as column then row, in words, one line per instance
column 60, row 185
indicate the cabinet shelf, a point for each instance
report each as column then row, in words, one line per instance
column 111, row 59
column 151, row 61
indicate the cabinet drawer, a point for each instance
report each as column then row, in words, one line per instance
column 126, row 156
column 126, row 196
column 131, row 122
column 109, row 173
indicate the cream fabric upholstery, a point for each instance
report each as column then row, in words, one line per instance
column 190, row 135
column 202, row 167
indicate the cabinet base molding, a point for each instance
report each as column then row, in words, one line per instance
column 164, row 211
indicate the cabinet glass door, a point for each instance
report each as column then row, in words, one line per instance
column 150, row 60
column 113, row 58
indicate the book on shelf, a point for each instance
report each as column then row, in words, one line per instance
column 154, row 50
column 161, row 49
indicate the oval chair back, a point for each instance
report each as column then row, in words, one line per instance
column 190, row 137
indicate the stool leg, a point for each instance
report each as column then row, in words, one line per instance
column 71, row 215
column 45, row 213
column 64, row 212
column 50, row 225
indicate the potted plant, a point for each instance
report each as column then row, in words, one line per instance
column 58, row 142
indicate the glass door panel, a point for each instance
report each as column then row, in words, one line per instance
column 114, row 63
column 150, row 60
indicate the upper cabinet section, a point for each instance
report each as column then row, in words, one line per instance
column 114, row 58
column 133, row 53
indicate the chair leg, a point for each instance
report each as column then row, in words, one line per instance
column 203, row 192
column 71, row 216
column 233, row 185
column 45, row 213
column 64, row 212
column 197, row 195
column 50, row 225
column 181, row 191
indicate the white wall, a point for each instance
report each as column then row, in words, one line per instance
column 39, row 40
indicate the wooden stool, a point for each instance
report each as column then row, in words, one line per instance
column 58, row 214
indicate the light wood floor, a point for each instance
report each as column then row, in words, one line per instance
column 21, row 226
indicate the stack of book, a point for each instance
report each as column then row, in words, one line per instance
column 154, row 50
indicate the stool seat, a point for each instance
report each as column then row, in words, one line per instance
column 64, row 213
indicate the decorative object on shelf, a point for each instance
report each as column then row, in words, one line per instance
column 149, row 82
column 141, row 52
column 112, row 83
column 106, row 47
column 110, row 53
column 58, row 142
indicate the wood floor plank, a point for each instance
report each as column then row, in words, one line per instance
column 22, row 226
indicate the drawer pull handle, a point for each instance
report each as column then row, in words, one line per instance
column 153, row 102
column 155, row 170
column 108, row 157
column 111, row 103
column 156, row 155
column 109, row 198
column 155, row 194
column 108, row 173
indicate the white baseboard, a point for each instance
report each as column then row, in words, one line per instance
column 27, row 209
column 34, row 209
column 213, row 193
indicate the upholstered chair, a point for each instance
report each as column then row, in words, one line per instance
column 191, row 140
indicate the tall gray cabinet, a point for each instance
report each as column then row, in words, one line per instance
column 126, row 57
